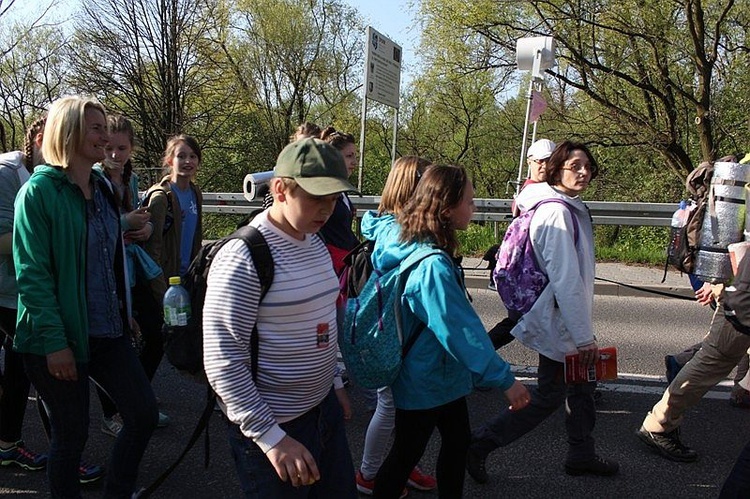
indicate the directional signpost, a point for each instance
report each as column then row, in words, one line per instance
column 382, row 84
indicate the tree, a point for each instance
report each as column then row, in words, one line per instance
column 149, row 60
column 295, row 60
column 32, row 71
column 630, row 73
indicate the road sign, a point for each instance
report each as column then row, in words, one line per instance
column 382, row 69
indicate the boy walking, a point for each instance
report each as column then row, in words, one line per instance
column 286, row 428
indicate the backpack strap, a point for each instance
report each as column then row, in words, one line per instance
column 404, row 270
column 263, row 262
column 573, row 215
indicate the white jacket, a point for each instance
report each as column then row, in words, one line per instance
column 551, row 330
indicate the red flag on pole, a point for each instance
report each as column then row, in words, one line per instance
column 538, row 105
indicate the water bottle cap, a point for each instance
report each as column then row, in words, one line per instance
column 683, row 204
column 175, row 281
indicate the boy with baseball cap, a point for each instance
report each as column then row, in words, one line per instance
column 286, row 428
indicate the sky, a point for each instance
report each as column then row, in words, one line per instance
column 394, row 19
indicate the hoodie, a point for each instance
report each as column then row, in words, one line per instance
column 561, row 319
column 453, row 353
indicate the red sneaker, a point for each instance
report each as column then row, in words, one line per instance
column 420, row 481
column 366, row 486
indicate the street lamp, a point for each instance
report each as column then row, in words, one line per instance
column 533, row 54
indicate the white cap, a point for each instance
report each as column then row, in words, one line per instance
column 541, row 149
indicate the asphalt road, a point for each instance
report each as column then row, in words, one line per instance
column 642, row 329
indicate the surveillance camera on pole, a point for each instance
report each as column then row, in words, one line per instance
column 533, row 54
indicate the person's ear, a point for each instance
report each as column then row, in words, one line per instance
column 38, row 140
column 445, row 216
column 278, row 189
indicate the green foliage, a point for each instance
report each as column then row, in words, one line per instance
column 645, row 245
column 475, row 240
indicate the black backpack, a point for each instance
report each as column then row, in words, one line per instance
column 357, row 269
column 183, row 346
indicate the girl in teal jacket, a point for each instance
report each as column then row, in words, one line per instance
column 453, row 353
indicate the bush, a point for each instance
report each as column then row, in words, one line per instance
column 644, row 245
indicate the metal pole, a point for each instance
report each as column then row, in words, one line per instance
column 525, row 133
column 395, row 136
column 362, row 138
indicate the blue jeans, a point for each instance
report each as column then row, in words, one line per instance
column 321, row 431
column 113, row 365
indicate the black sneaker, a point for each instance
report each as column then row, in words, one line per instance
column 476, row 467
column 668, row 444
column 594, row 466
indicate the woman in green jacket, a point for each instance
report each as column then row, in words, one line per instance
column 73, row 318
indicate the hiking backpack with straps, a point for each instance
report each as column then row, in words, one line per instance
column 711, row 191
column 684, row 243
column 518, row 278
column 183, row 346
column 371, row 342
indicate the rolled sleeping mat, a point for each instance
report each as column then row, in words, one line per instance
column 724, row 221
column 256, row 185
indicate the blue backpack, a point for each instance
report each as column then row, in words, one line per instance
column 517, row 275
column 372, row 338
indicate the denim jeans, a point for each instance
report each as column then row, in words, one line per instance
column 550, row 393
column 378, row 434
column 321, row 431
column 114, row 366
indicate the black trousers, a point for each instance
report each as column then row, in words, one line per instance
column 413, row 432
column 15, row 384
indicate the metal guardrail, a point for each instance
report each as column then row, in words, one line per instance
column 488, row 210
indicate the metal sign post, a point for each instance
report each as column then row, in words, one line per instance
column 382, row 84
column 532, row 54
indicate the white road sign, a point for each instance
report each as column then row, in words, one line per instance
column 382, row 69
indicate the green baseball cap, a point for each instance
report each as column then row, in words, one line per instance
column 317, row 166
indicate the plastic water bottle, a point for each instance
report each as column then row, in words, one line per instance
column 176, row 304
column 679, row 217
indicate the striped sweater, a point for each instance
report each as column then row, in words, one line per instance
column 295, row 368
